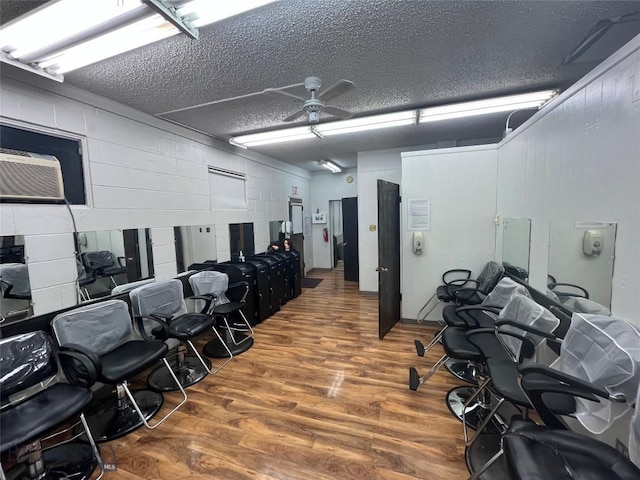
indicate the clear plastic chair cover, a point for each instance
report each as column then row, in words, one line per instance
column 584, row 305
column 489, row 276
column 524, row 310
column 16, row 274
column 211, row 283
column 127, row 287
column 164, row 297
column 503, row 291
column 605, row 351
column 100, row 327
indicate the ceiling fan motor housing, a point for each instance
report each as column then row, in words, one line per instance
column 313, row 107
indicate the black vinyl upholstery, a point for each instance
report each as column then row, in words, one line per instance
column 533, row 452
column 130, row 359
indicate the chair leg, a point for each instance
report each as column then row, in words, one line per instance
column 137, row 408
column 421, row 317
column 486, row 466
column 94, row 447
column 204, row 364
column 469, row 401
column 415, row 380
column 230, row 330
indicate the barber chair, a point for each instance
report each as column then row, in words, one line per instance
column 103, row 333
column 224, row 303
column 457, row 286
column 564, row 290
column 14, row 281
column 466, row 318
column 84, row 280
column 598, row 367
column 36, row 398
column 127, row 287
column 104, row 264
column 163, row 301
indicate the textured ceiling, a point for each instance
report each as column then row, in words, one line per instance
column 400, row 54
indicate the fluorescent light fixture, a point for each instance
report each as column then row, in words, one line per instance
column 329, row 165
column 483, row 107
column 407, row 117
column 68, row 34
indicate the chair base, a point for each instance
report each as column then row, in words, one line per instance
column 72, row 460
column 107, row 422
column 215, row 348
column 481, row 451
column 465, row 371
column 476, row 412
column 190, row 372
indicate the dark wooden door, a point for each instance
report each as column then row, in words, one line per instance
column 132, row 256
column 388, row 256
column 350, row 238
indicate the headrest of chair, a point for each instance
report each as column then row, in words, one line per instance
column 504, row 291
column 100, row 327
column 584, row 305
column 16, row 274
column 489, row 276
column 25, row 360
column 524, row 310
column 99, row 259
column 605, row 351
column 164, row 297
column 209, row 283
column 127, row 287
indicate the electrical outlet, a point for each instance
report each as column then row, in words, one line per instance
column 622, row 448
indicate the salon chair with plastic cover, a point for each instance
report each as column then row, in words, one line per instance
column 39, row 404
column 598, row 367
column 14, row 281
column 103, row 333
column 163, row 301
column 225, row 303
column 104, row 264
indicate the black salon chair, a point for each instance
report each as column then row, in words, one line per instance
column 14, row 281
column 225, row 303
column 164, row 301
column 564, row 290
column 85, row 278
column 103, row 333
column 458, row 286
column 36, row 398
column 103, row 263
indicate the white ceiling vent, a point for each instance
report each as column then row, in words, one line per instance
column 30, row 177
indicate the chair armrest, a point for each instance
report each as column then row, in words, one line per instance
column 80, row 365
column 527, row 328
column 464, row 294
column 484, row 308
column 585, row 293
column 470, row 320
column 561, row 377
column 207, row 298
column 161, row 320
column 466, row 273
column 234, row 288
column 122, row 261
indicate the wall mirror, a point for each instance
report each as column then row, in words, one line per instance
column 516, row 241
column 109, row 258
column 580, row 269
column 194, row 244
column 15, row 301
column 241, row 239
column 275, row 231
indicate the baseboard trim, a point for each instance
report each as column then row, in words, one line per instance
column 424, row 323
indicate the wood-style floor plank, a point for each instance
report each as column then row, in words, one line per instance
column 317, row 397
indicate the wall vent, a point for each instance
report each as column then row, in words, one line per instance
column 30, row 177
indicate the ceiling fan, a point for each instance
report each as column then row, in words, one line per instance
column 315, row 105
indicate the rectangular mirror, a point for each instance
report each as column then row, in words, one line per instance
column 275, row 231
column 194, row 244
column 580, row 269
column 109, row 258
column 516, row 242
column 241, row 239
column 15, row 301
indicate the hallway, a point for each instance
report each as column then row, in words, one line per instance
column 317, row 397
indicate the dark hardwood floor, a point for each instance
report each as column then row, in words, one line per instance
column 317, row 397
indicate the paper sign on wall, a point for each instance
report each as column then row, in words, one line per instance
column 419, row 214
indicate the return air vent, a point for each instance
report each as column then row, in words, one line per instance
column 30, row 177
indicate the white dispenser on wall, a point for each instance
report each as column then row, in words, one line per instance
column 593, row 243
column 418, row 243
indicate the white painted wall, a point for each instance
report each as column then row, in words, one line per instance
column 461, row 184
column 579, row 160
column 140, row 172
column 327, row 186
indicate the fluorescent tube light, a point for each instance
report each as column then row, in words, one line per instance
column 368, row 123
column 205, row 12
column 275, row 136
column 483, row 107
column 329, row 165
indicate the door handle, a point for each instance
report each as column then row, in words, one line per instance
column 382, row 269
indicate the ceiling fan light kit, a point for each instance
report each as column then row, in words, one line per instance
column 406, row 117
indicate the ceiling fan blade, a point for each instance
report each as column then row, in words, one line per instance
column 292, row 117
column 337, row 112
column 274, row 92
column 338, row 88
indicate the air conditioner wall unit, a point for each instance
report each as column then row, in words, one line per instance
column 30, row 177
